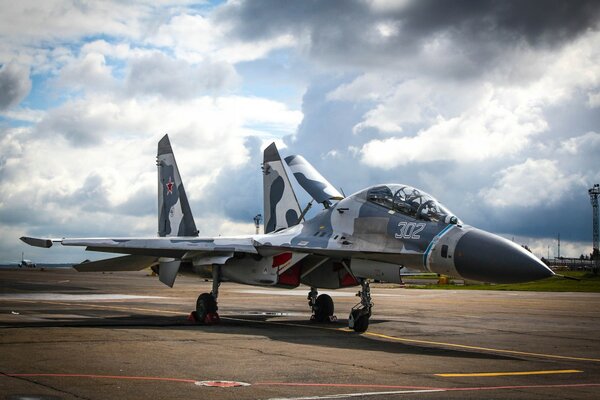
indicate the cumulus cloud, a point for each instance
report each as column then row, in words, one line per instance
column 579, row 145
column 531, row 184
column 89, row 72
column 195, row 37
column 594, row 100
column 203, row 121
column 92, row 196
column 461, row 39
column 177, row 79
column 14, row 85
column 68, row 19
column 488, row 130
column 85, row 121
column 497, row 119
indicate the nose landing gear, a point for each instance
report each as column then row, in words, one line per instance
column 360, row 314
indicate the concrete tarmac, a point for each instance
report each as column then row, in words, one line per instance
column 70, row 335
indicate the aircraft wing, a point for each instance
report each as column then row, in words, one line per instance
column 166, row 252
column 175, row 247
column 188, row 247
column 277, row 254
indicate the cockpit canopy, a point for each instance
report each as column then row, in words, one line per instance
column 410, row 201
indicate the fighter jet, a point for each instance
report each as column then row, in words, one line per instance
column 370, row 235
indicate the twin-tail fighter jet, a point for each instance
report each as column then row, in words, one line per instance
column 370, row 235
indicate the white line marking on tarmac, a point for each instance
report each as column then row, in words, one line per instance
column 364, row 394
column 72, row 297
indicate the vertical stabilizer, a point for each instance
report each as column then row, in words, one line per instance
column 312, row 181
column 174, row 213
column 281, row 206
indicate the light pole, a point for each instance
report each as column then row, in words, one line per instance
column 257, row 220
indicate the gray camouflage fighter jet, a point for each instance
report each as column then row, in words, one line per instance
column 372, row 234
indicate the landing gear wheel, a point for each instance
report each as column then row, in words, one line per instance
column 360, row 323
column 360, row 314
column 206, row 309
column 323, row 308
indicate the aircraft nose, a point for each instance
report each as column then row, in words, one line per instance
column 485, row 257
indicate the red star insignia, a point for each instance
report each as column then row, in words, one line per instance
column 169, row 186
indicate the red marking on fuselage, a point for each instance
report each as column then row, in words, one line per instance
column 169, row 185
column 280, row 259
column 348, row 280
column 291, row 277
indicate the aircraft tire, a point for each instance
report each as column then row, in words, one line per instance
column 205, row 305
column 361, row 322
column 323, row 308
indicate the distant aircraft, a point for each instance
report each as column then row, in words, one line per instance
column 372, row 234
column 26, row 263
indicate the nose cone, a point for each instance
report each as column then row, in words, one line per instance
column 482, row 256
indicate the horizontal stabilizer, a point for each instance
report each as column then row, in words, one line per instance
column 125, row 263
column 45, row 243
column 312, row 181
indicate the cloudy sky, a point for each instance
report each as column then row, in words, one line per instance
column 491, row 106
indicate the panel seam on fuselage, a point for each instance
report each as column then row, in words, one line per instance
column 435, row 239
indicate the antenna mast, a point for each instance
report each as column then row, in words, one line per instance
column 594, row 194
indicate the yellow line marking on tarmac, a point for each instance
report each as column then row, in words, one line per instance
column 373, row 334
column 464, row 346
column 484, row 374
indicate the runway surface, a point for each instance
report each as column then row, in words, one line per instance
column 69, row 335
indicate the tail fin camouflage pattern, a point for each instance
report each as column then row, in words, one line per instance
column 281, row 206
column 174, row 213
column 312, row 181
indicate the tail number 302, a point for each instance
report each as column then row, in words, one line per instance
column 409, row 230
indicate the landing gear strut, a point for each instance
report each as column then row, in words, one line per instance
column 360, row 314
column 321, row 306
column 206, row 305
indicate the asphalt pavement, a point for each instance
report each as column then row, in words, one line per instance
column 70, row 335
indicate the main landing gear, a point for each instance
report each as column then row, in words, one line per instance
column 321, row 306
column 360, row 314
column 206, row 305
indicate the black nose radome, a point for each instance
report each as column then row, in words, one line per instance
column 485, row 257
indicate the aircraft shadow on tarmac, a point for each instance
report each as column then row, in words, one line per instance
column 30, row 287
column 298, row 331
